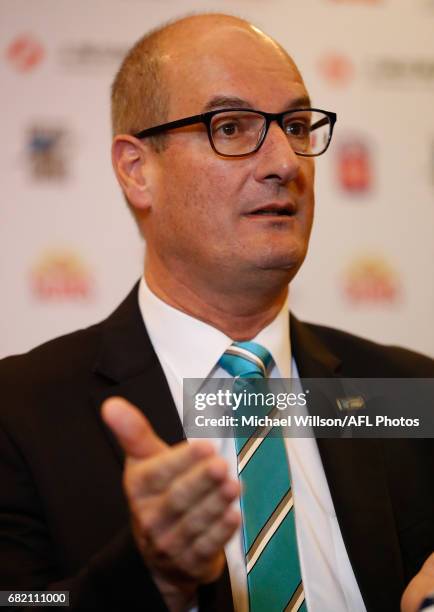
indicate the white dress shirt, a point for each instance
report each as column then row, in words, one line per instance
column 189, row 348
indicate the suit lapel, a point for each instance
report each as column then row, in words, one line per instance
column 128, row 366
column 357, row 480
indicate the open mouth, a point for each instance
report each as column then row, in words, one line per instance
column 273, row 213
column 271, row 210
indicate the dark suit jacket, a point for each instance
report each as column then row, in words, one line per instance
column 63, row 516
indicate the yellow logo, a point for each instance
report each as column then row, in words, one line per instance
column 372, row 280
column 60, row 275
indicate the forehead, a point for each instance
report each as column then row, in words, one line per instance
column 233, row 62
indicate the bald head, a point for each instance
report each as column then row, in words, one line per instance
column 142, row 92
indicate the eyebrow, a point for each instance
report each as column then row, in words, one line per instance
column 301, row 102
column 235, row 102
column 226, row 102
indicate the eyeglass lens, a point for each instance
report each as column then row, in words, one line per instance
column 240, row 132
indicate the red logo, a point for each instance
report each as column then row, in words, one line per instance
column 60, row 275
column 371, row 280
column 354, row 166
column 336, row 68
column 25, row 53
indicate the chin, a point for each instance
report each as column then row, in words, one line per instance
column 283, row 259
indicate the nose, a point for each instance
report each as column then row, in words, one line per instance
column 276, row 160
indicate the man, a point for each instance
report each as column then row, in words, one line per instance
column 226, row 223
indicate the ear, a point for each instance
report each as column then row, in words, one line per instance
column 132, row 162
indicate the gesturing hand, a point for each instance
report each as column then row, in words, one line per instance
column 180, row 501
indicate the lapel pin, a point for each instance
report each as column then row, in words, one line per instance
column 351, row 403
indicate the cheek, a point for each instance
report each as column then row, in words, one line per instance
column 306, row 177
column 200, row 190
column 305, row 188
column 191, row 217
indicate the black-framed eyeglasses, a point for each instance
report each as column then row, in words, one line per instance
column 236, row 132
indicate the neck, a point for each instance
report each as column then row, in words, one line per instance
column 241, row 315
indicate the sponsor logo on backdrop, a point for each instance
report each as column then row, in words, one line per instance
column 401, row 71
column 25, row 53
column 336, row 69
column 47, row 152
column 61, row 275
column 354, row 165
column 371, row 280
column 90, row 55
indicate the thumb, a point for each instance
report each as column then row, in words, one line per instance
column 131, row 428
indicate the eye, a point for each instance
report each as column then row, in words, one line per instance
column 297, row 128
column 227, row 128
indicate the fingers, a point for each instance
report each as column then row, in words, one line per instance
column 131, row 428
column 199, row 521
column 155, row 475
column 164, row 489
column 190, row 488
column 204, row 559
column 205, row 547
column 193, row 547
column 180, row 502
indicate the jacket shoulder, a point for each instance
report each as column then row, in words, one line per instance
column 52, row 360
column 362, row 357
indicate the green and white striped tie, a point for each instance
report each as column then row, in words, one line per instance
column 270, row 544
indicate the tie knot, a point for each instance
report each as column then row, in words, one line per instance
column 246, row 360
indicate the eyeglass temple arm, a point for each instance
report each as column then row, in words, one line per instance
column 320, row 123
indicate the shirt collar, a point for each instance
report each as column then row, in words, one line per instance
column 192, row 348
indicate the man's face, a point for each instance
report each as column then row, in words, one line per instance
column 205, row 220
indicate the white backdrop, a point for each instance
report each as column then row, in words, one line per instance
column 69, row 249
